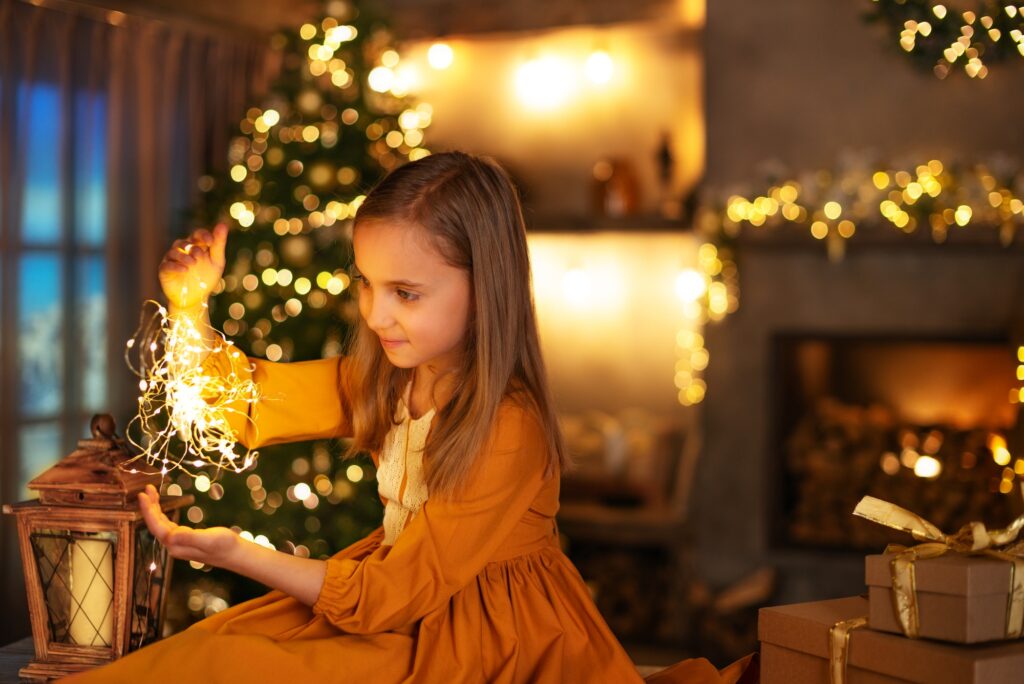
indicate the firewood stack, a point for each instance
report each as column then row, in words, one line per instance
column 838, row 453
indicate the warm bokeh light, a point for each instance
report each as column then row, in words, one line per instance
column 440, row 56
column 1000, row 454
column 381, row 79
column 544, row 83
column 927, row 467
column 577, row 287
column 691, row 285
column 599, row 67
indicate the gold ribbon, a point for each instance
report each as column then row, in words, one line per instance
column 971, row 539
column 839, row 647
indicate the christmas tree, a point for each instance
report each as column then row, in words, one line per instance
column 335, row 119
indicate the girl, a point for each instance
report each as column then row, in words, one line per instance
column 445, row 386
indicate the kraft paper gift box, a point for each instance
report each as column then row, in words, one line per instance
column 960, row 598
column 795, row 649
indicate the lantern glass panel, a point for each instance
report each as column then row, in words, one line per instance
column 147, row 588
column 76, row 573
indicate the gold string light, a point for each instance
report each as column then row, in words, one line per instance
column 969, row 38
column 831, row 206
column 180, row 401
column 709, row 293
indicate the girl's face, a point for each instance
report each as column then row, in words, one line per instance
column 415, row 301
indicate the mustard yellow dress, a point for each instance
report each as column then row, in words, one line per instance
column 448, row 590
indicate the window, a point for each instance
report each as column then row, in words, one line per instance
column 55, row 312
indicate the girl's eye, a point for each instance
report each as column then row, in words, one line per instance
column 359, row 278
column 407, row 296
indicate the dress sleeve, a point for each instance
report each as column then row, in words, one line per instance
column 297, row 401
column 447, row 543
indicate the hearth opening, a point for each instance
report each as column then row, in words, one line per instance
column 930, row 424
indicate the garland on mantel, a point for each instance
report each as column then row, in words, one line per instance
column 831, row 205
column 970, row 34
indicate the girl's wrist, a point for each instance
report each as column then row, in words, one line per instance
column 189, row 310
column 234, row 556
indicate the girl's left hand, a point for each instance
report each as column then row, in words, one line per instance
column 213, row 545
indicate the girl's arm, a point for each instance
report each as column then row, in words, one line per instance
column 301, row 578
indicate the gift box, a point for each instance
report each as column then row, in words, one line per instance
column 960, row 598
column 796, row 649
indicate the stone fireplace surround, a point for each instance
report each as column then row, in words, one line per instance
column 891, row 287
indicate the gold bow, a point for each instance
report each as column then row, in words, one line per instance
column 973, row 539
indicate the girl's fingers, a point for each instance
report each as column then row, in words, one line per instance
column 202, row 237
column 178, row 257
column 200, row 253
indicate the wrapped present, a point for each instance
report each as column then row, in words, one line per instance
column 959, row 598
column 966, row 587
column 828, row 641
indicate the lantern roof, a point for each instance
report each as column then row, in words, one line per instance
column 94, row 474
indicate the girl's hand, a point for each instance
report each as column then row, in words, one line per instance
column 192, row 268
column 213, row 546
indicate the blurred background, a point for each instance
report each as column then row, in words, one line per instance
column 775, row 255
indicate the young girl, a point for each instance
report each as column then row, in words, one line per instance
column 445, row 386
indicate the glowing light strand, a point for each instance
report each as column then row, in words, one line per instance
column 832, row 205
column 179, row 401
column 986, row 32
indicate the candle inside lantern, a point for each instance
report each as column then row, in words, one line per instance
column 92, row 594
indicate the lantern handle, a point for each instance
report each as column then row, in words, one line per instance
column 103, row 427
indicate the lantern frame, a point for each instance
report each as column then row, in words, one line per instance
column 89, row 492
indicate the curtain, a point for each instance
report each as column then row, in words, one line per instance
column 107, row 120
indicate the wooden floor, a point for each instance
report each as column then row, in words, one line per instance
column 16, row 656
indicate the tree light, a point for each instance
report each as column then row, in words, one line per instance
column 440, row 56
column 599, row 67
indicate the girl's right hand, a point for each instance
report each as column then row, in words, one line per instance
column 192, row 268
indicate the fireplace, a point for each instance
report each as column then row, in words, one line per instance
column 923, row 421
column 910, row 298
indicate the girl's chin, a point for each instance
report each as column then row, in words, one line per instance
column 397, row 360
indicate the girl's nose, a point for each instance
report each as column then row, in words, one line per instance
column 377, row 314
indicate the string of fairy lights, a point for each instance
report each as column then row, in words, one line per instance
column 968, row 37
column 178, row 399
column 831, row 205
column 709, row 292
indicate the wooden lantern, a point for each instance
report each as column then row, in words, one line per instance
column 95, row 577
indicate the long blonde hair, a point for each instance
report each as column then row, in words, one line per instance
column 470, row 209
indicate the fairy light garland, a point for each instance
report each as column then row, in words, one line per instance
column 1020, row 375
column 990, row 31
column 831, row 205
column 180, row 403
column 710, row 292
